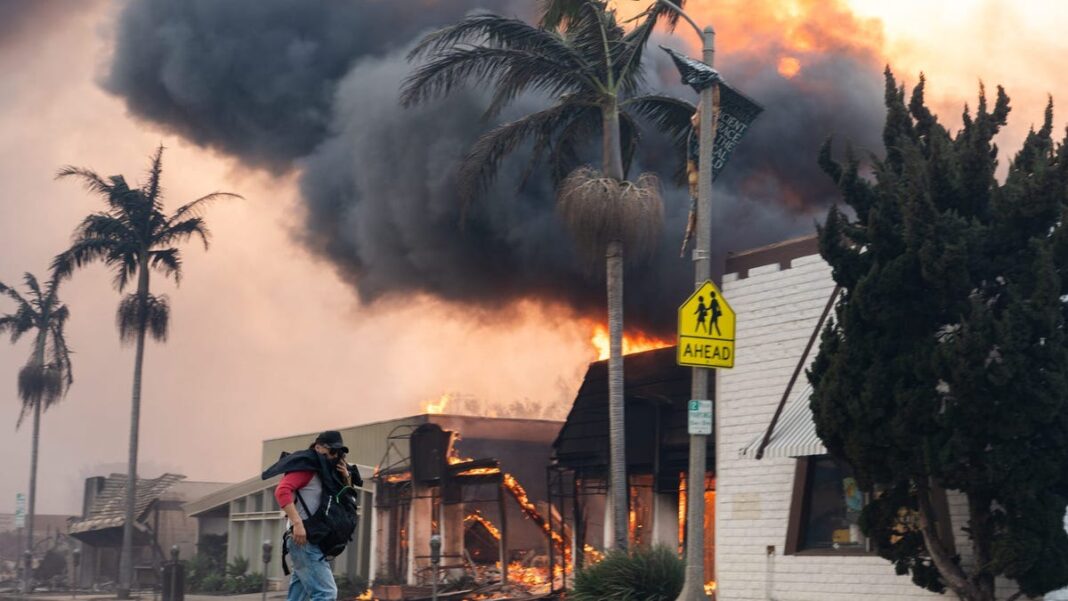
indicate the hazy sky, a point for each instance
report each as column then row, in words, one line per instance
column 266, row 340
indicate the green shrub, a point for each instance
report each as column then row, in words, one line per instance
column 211, row 583
column 243, row 583
column 204, row 574
column 642, row 575
column 238, row 567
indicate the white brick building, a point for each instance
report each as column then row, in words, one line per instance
column 779, row 293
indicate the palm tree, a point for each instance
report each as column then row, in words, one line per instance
column 46, row 377
column 134, row 237
column 592, row 66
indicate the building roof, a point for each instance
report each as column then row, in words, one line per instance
column 783, row 253
column 109, row 506
column 656, row 390
column 223, row 496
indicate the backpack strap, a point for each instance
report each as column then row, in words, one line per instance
column 303, row 504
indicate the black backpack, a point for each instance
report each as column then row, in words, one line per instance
column 332, row 525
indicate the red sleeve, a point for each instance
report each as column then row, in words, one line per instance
column 290, row 483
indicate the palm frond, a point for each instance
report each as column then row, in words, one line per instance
column 31, row 282
column 83, row 252
column 479, row 167
column 560, row 14
column 153, row 190
column 168, row 261
column 37, row 383
column 23, row 321
column 60, row 351
column 155, row 319
column 497, row 32
column 661, row 11
column 194, row 208
column 125, row 266
column 667, row 115
column 105, row 226
column 482, row 65
column 90, row 179
column 181, row 231
column 581, row 129
column 630, row 135
column 12, row 294
column 595, row 34
column 627, row 61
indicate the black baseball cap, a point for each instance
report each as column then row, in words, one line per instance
column 332, row 439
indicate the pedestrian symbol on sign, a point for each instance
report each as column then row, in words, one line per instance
column 706, row 329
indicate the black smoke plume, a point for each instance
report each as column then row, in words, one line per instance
column 284, row 84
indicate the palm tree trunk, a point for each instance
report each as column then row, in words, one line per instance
column 28, row 573
column 126, row 557
column 618, row 485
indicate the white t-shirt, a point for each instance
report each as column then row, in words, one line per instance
column 310, row 495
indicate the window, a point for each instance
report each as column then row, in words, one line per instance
column 825, row 510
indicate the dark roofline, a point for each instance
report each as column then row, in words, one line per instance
column 782, row 253
column 424, row 416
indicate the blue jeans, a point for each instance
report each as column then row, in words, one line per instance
column 310, row 576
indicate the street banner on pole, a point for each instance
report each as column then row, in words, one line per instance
column 736, row 110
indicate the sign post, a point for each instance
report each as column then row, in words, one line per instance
column 725, row 114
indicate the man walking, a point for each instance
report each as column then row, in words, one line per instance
column 307, row 474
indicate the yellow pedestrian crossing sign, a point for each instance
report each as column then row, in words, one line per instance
column 706, row 329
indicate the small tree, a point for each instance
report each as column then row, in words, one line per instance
column 947, row 363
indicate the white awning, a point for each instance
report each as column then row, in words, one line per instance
column 795, row 433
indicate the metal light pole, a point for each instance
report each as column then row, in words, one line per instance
column 693, row 588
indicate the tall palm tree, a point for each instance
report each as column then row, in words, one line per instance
column 47, row 375
column 583, row 58
column 134, row 236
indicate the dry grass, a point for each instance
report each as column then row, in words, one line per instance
column 599, row 210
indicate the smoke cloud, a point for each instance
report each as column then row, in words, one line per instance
column 20, row 18
column 314, row 86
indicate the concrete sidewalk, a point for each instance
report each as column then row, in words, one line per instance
column 271, row 596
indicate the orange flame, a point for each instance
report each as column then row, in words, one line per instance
column 532, row 512
column 476, row 516
column 710, row 587
column 530, row 576
column 437, row 407
column 592, row 555
column 789, row 67
column 632, row 343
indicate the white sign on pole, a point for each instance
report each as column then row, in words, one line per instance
column 700, row 421
column 20, row 510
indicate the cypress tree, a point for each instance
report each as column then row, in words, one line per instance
column 946, row 363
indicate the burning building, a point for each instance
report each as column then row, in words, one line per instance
column 479, row 484
column 494, row 492
column 656, row 392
